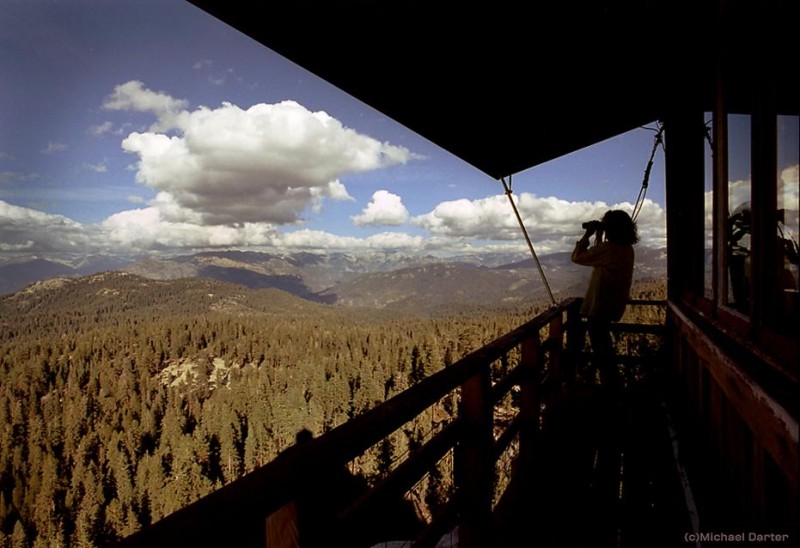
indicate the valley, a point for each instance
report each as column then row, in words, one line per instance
column 125, row 396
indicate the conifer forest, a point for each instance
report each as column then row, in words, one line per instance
column 123, row 399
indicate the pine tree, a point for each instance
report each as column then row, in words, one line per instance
column 19, row 537
column 88, row 521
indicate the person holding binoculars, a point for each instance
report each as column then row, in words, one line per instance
column 611, row 258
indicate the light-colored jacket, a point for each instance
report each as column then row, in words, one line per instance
column 610, row 286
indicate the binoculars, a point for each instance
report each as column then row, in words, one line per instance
column 593, row 225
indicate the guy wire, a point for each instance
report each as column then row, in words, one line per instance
column 507, row 186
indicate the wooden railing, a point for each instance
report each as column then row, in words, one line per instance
column 747, row 433
column 526, row 364
column 237, row 512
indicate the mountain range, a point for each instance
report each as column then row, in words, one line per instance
column 394, row 281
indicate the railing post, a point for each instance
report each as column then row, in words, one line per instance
column 530, row 396
column 576, row 338
column 474, row 466
column 555, row 354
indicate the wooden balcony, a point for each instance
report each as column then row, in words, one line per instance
column 538, row 453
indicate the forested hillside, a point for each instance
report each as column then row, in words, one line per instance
column 123, row 399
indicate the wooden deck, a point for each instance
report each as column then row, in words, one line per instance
column 594, row 468
column 606, row 477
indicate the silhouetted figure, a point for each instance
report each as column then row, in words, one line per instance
column 611, row 258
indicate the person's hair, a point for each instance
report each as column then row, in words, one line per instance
column 620, row 228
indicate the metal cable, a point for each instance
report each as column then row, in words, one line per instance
column 637, row 207
column 507, row 186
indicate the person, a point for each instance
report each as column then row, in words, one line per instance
column 611, row 258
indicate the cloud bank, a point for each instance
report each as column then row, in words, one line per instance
column 29, row 230
column 450, row 227
column 235, row 177
column 552, row 223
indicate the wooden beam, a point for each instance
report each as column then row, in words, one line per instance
column 685, row 179
column 720, row 189
column 395, row 485
column 767, row 258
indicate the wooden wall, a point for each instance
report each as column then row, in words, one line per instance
column 744, row 442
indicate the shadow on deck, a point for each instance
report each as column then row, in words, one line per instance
column 605, row 475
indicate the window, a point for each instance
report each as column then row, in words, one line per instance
column 739, row 213
column 708, row 213
column 788, row 160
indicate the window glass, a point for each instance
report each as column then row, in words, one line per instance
column 739, row 233
column 708, row 216
column 787, row 195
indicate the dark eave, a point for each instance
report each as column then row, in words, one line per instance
column 503, row 85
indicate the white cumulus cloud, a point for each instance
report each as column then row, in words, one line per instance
column 267, row 163
column 385, row 209
column 483, row 218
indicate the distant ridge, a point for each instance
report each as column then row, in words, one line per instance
column 390, row 281
column 118, row 292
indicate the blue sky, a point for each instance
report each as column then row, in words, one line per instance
column 150, row 127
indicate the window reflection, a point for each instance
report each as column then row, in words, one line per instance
column 787, row 194
column 708, row 212
column 739, row 217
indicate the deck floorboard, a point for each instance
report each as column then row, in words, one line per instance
column 605, row 476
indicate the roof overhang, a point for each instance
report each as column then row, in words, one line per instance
column 504, row 85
